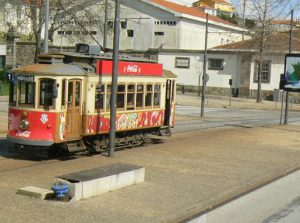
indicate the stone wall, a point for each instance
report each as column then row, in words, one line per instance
column 25, row 52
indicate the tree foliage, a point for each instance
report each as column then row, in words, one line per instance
column 264, row 12
column 28, row 17
column 233, row 19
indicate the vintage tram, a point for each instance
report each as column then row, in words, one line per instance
column 64, row 101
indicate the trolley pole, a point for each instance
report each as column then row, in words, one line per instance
column 46, row 26
column 113, row 97
column 204, row 75
column 287, row 93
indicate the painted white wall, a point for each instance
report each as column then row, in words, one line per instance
column 277, row 68
column 217, row 78
column 3, row 50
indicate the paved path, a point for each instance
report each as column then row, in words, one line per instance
column 278, row 202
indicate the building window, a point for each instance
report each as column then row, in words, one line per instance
column 215, row 64
column 60, row 32
column 93, row 32
column 124, row 24
column 182, row 62
column 265, row 73
column 110, row 24
column 69, row 32
column 130, row 33
column 159, row 33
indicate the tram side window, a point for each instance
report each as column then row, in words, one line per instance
column 139, row 95
column 26, row 93
column 99, row 97
column 46, row 92
column 77, row 94
column 130, row 96
column 156, row 101
column 121, row 96
column 148, row 99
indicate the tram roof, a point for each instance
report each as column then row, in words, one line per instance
column 58, row 69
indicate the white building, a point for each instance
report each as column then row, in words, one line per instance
column 160, row 24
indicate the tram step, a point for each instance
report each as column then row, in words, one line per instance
column 165, row 131
column 76, row 146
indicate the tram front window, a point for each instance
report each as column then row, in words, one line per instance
column 46, row 92
column 26, row 90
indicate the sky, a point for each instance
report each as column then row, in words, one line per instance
column 236, row 3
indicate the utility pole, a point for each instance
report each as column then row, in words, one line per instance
column 46, row 26
column 105, row 25
column 113, row 97
column 290, row 51
column 204, row 75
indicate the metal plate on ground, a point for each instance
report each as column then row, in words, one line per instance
column 100, row 172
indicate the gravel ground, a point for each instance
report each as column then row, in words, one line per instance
column 186, row 174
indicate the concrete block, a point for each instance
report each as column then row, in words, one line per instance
column 124, row 180
column 87, row 183
column 76, row 191
column 89, row 188
column 105, row 184
column 139, row 176
column 36, row 192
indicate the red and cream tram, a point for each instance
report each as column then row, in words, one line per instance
column 65, row 100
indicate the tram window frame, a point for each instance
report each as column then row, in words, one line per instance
column 140, row 98
column 50, row 98
column 100, row 90
column 156, row 91
column 29, row 93
column 121, row 91
column 13, row 91
column 130, row 93
column 149, row 94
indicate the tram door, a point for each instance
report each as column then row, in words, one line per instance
column 73, row 122
column 169, row 100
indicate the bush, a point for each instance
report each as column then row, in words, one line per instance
column 4, row 85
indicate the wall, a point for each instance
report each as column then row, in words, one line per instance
column 277, row 68
column 192, row 76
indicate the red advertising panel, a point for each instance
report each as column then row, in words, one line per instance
column 105, row 67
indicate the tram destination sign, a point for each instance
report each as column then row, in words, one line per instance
column 104, row 67
column 25, row 78
column 292, row 72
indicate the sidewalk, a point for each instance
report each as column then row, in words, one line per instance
column 212, row 101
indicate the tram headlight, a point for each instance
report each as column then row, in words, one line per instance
column 24, row 125
column 24, row 115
